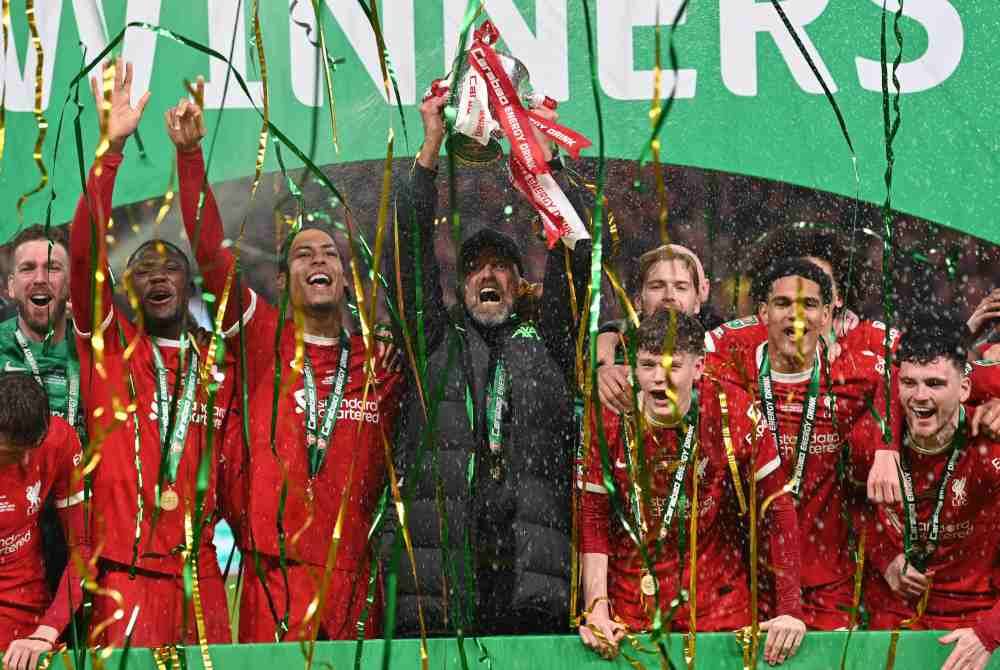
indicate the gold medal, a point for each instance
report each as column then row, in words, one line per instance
column 169, row 500
column 647, row 584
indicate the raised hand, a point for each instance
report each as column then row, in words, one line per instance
column 117, row 117
column 431, row 115
column 185, row 123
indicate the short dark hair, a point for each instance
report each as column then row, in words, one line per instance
column 851, row 272
column 791, row 267
column 52, row 234
column 286, row 244
column 24, row 410
column 655, row 330
column 160, row 245
column 928, row 336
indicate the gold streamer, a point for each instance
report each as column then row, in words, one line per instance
column 727, row 440
column 262, row 138
column 654, row 115
column 3, row 97
column 43, row 124
column 96, row 327
column 750, row 635
column 168, row 198
column 190, row 554
column 401, row 307
column 327, row 75
column 397, row 500
column 622, row 295
column 859, row 573
column 890, row 660
column 383, row 215
column 690, row 647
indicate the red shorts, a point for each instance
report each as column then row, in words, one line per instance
column 827, row 607
column 345, row 600
column 160, row 598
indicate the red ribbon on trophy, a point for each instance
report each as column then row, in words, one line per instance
column 489, row 102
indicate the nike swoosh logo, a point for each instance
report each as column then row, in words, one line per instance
column 7, row 367
column 620, row 465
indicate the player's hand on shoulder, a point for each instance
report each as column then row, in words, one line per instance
column 25, row 653
column 388, row 354
column 969, row 652
column 986, row 420
column 883, row 478
column 614, row 388
column 784, row 636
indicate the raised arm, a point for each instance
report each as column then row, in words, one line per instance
column 202, row 220
column 118, row 119
column 567, row 273
column 416, row 205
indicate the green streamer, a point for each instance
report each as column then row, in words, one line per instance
column 891, row 127
column 671, row 49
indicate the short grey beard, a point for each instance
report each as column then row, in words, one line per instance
column 490, row 320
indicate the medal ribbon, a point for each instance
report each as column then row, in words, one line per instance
column 919, row 558
column 72, row 374
column 184, row 408
column 494, row 407
column 318, row 438
column 677, row 486
column 808, row 415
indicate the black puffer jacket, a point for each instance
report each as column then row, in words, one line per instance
column 508, row 518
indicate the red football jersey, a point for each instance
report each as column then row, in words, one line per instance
column 847, row 388
column 357, row 449
column 23, row 490
column 964, row 564
column 116, row 481
column 722, row 582
column 253, row 478
column 853, row 334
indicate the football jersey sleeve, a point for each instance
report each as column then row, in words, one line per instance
column 985, row 377
column 68, row 486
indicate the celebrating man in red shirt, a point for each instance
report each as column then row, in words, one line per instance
column 943, row 535
column 147, row 502
column 321, row 457
column 818, row 411
column 687, row 438
column 39, row 456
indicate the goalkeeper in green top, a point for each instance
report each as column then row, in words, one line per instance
column 34, row 342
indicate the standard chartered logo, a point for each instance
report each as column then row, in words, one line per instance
column 12, row 543
column 351, row 409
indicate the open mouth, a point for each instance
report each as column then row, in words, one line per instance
column 489, row 295
column 790, row 332
column 319, row 279
column 159, row 297
column 40, row 299
column 923, row 412
column 658, row 394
